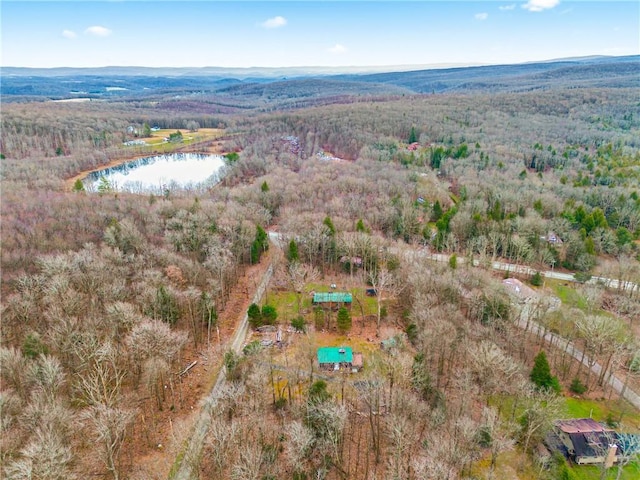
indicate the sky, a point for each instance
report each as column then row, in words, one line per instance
column 240, row 33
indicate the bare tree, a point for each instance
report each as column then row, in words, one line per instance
column 541, row 408
column 154, row 339
column 383, row 282
column 223, row 439
column 154, row 372
column 249, row 462
column 496, row 435
column 403, row 434
column 299, row 275
column 47, row 456
column 494, row 371
column 299, row 444
column 13, row 368
column 108, row 426
column 629, row 446
column 101, row 383
column 600, row 334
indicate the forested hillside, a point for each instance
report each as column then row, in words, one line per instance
column 108, row 297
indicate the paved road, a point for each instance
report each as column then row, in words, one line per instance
column 562, row 344
column 188, row 462
column 618, row 385
column 526, row 270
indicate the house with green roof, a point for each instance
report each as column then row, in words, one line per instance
column 335, row 358
column 337, row 299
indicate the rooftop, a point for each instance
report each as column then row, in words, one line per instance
column 335, row 355
column 332, row 297
column 518, row 288
column 581, row 425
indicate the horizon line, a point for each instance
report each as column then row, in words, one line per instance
column 292, row 67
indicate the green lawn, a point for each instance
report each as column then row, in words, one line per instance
column 602, row 410
column 286, row 302
column 589, row 472
column 156, row 141
column 568, row 295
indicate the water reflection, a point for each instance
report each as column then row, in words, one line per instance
column 159, row 174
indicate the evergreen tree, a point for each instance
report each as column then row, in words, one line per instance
column 260, row 244
column 299, row 324
column 269, row 314
column 541, row 374
column 167, row 306
column 104, row 186
column 413, row 136
column 344, row 320
column 536, row 279
column 437, row 211
column 175, row 137
column 329, row 224
column 255, row 316
column 78, row 186
column 292, row 253
column 318, row 392
column 264, row 187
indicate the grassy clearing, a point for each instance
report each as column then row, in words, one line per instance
column 602, row 411
column 156, row 142
column 512, row 465
column 589, row 472
column 515, row 465
column 599, row 410
column 568, row 295
column 286, row 302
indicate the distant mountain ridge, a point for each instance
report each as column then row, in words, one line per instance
column 258, row 87
column 270, row 72
column 240, row 73
column 516, row 76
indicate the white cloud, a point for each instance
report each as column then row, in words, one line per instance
column 338, row 49
column 98, row 31
column 275, row 22
column 70, row 34
column 507, row 7
column 481, row 16
column 540, row 5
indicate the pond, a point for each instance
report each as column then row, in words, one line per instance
column 159, row 174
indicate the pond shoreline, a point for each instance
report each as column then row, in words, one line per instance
column 215, row 149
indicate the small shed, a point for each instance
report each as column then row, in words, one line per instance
column 390, row 344
column 335, row 358
column 333, row 298
column 358, row 362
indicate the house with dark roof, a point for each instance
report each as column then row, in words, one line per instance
column 588, row 442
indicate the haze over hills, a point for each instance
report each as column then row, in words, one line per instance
column 274, row 85
column 239, row 72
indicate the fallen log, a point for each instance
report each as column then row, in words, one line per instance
column 193, row 364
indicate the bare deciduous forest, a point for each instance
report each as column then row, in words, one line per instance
column 108, row 298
